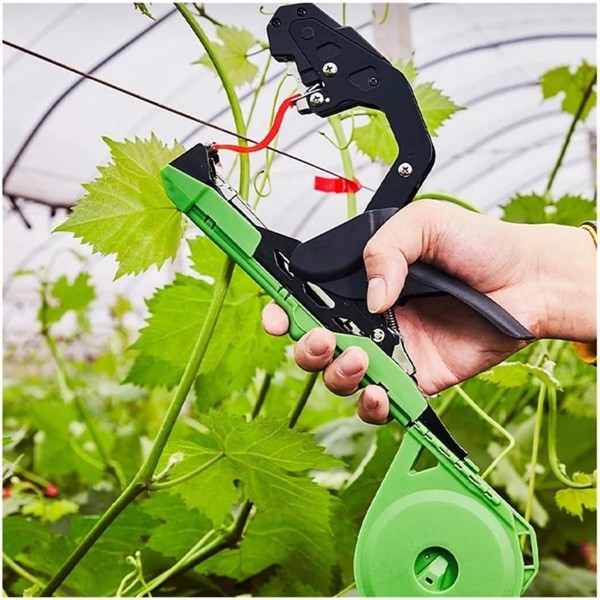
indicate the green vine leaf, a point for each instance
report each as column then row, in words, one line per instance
column 143, row 8
column 525, row 208
column 375, row 139
column 212, row 491
column 533, row 208
column 407, row 68
column 574, row 500
column 517, row 374
column 126, row 211
column 436, row 107
column 239, row 346
column 64, row 296
column 180, row 527
column 233, row 53
column 572, row 86
column 271, row 459
column 572, row 210
column 50, row 510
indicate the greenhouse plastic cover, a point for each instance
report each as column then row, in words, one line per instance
column 486, row 57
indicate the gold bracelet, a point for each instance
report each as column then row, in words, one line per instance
column 588, row 352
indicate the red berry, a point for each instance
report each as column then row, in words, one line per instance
column 6, row 492
column 51, row 490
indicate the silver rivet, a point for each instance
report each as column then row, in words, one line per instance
column 317, row 99
column 329, row 69
column 405, row 170
column 378, row 335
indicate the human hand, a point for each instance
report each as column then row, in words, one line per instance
column 544, row 275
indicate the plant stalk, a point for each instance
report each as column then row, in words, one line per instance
column 567, row 141
column 234, row 103
column 308, row 388
column 262, row 395
column 539, row 417
column 447, row 198
column 20, row 571
column 552, row 453
column 336, row 126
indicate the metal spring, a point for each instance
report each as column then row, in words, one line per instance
column 390, row 320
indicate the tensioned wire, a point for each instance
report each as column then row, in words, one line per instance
column 157, row 104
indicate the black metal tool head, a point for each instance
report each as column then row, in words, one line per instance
column 337, row 70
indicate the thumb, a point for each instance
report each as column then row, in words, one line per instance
column 399, row 242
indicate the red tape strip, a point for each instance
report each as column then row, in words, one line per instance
column 337, row 185
column 287, row 103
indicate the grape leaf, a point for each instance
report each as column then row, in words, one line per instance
column 126, row 211
column 572, row 85
column 233, row 54
column 180, row 526
column 435, row 106
column 516, row 374
column 50, row 510
column 177, row 313
column 407, row 67
column 237, row 347
column 361, row 489
column 525, row 208
column 143, row 8
column 376, row 140
column 574, row 500
column 558, row 580
column 268, row 458
column 573, row 210
column 64, row 296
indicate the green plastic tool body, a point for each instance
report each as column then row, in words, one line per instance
column 442, row 531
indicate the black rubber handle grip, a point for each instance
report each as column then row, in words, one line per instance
column 424, row 280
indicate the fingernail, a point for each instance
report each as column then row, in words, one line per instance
column 376, row 294
column 350, row 364
column 315, row 345
column 371, row 403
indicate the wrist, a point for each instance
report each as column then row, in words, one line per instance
column 567, row 283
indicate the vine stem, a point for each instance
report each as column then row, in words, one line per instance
column 143, row 478
column 69, row 396
column 552, row 454
column 19, row 570
column 539, row 417
column 262, row 395
column 234, row 103
column 128, row 495
column 447, row 198
column 338, row 131
column 567, row 140
column 343, row 592
column 494, row 424
column 308, row 388
column 259, row 86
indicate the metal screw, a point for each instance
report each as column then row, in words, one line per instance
column 276, row 22
column 329, row 69
column 378, row 335
column 405, row 170
column 317, row 99
column 373, row 81
column 301, row 12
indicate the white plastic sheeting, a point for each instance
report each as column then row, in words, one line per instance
column 487, row 57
